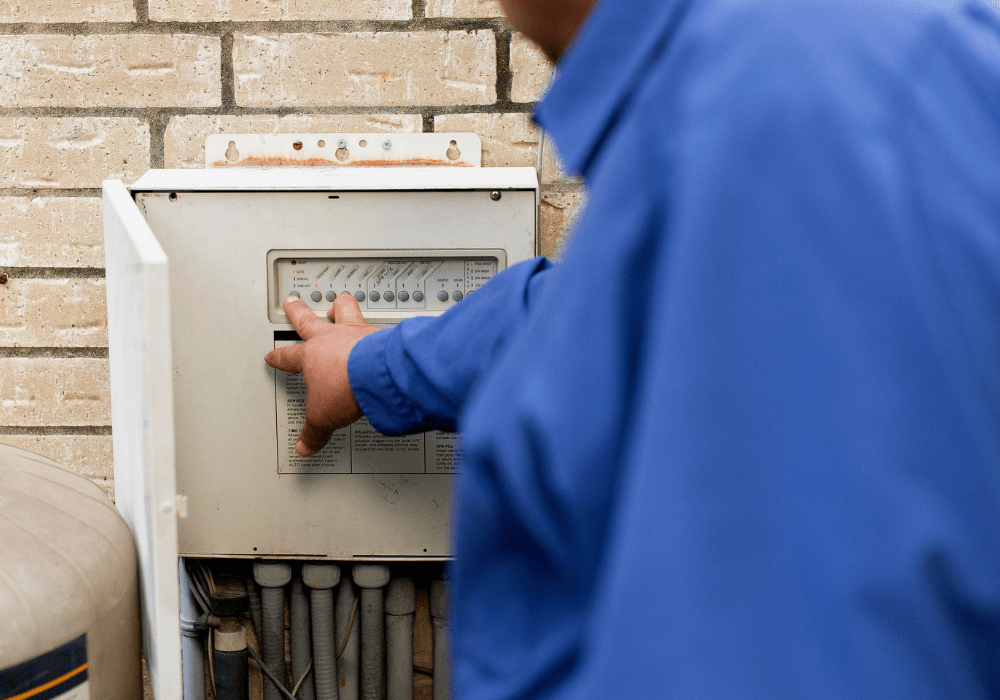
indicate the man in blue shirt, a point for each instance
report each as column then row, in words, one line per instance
column 744, row 441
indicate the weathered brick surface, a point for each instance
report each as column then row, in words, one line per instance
column 53, row 313
column 263, row 10
column 530, row 70
column 184, row 141
column 508, row 139
column 559, row 211
column 464, row 8
column 51, row 232
column 88, row 455
column 67, row 11
column 133, row 70
column 54, row 391
column 71, row 151
column 365, row 68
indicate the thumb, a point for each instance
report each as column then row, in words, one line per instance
column 312, row 439
column 345, row 309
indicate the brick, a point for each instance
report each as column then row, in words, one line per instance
column 54, row 391
column 129, row 70
column 45, row 11
column 508, row 140
column 184, row 140
column 87, row 455
column 559, row 211
column 53, row 313
column 464, row 8
column 71, row 151
column 365, row 68
column 264, row 10
column 51, row 232
column 530, row 70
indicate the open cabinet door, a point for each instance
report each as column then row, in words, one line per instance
column 142, row 420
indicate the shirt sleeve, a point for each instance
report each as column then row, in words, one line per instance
column 417, row 375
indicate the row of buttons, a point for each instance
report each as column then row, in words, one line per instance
column 418, row 296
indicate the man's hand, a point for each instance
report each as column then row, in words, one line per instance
column 322, row 362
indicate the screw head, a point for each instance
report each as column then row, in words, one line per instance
column 342, row 143
column 495, row 195
column 386, row 145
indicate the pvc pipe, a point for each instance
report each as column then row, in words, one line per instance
column 230, row 661
column 301, row 639
column 400, row 604
column 348, row 639
column 439, row 620
column 253, row 596
column 192, row 651
column 371, row 578
column 272, row 577
column 321, row 578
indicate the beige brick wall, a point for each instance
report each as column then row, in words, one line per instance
column 110, row 88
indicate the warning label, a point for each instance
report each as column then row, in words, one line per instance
column 359, row 448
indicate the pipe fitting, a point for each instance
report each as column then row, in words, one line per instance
column 320, row 575
column 371, row 575
column 272, row 574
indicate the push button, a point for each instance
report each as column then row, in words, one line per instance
column 359, row 296
column 295, row 294
column 457, row 295
column 405, row 296
column 389, row 296
column 316, row 296
column 442, row 295
column 418, row 296
column 373, row 296
column 331, row 295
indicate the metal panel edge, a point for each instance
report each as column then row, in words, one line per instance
column 143, row 423
column 356, row 178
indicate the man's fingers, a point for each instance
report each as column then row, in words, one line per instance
column 288, row 359
column 345, row 309
column 311, row 440
column 306, row 322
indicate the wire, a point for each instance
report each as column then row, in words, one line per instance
column 195, row 590
column 207, row 573
column 305, row 673
column 269, row 674
column 350, row 623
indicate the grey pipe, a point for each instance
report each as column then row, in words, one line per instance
column 301, row 639
column 321, row 578
column 439, row 620
column 371, row 578
column 348, row 639
column 253, row 597
column 192, row 650
column 273, row 577
column 400, row 604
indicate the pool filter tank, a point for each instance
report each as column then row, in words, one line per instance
column 69, row 597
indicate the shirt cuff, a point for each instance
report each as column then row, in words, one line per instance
column 384, row 405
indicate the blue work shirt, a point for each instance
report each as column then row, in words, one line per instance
column 744, row 441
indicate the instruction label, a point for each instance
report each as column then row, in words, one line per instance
column 359, row 448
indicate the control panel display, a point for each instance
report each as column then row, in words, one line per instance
column 403, row 286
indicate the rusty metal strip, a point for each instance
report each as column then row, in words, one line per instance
column 336, row 150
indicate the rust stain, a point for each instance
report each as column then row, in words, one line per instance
column 3, row 278
column 278, row 161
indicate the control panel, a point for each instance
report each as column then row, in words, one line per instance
column 386, row 284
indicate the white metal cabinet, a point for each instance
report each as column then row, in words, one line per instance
column 194, row 286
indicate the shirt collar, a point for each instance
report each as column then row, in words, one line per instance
column 599, row 72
